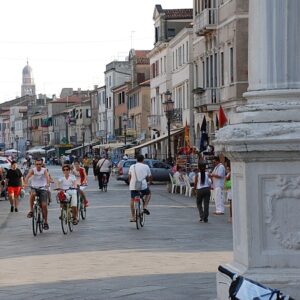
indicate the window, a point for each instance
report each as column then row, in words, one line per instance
column 222, row 68
column 187, row 52
column 231, row 65
column 216, row 70
column 207, row 72
column 171, row 32
column 88, row 113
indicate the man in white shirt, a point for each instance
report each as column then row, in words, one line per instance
column 104, row 167
column 139, row 172
column 218, row 177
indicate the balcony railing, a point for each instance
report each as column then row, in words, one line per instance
column 206, row 21
column 210, row 96
column 154, row 121
column 177, row 115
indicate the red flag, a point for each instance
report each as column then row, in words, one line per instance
column 222, row 117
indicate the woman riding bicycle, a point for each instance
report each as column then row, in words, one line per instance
column 81, row 179
column 66, row 182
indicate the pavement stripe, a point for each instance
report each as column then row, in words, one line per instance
column 106, row 264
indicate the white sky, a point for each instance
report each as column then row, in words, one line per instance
column 69, row 42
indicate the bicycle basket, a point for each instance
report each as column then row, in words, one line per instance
column 61, row 197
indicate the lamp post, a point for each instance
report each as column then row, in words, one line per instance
column 125, row 121
column 169, row 109
column 17, row 144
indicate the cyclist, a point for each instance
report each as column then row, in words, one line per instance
column 81, row 179
column 40, row 179
column 139, row 172
column 14, row 182
column 104, row 167
column 69, row 181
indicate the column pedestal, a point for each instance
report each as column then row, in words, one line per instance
column 263, row 144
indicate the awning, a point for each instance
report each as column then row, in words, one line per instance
column 77, row 148
column 109, row 146
column 131, row 151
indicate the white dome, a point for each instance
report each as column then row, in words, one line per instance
column 27, row 71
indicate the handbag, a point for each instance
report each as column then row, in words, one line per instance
column 138, row 184
column 227, row 184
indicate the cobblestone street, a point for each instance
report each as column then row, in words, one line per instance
column 105, row 257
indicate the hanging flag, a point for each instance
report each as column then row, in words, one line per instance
column 222, row 117
column 187, row 138
column 203, row 125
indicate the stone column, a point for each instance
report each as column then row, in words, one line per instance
column 263, row 143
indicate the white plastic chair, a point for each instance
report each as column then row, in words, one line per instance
column 189, row 189
column 173, row 184
column 180, row 184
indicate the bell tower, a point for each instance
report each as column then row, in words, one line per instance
column 28, row 86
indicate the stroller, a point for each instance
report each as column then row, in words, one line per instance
column 242, row 288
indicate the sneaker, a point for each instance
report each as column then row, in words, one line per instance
column 46, row 226
column 146, row 211
column 16, row 209
column 201, row 220
column 11, row 209
column 205, row 220
column 30, row 214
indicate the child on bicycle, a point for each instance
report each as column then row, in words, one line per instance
column 81, row 179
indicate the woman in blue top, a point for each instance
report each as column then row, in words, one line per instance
column 202, row 186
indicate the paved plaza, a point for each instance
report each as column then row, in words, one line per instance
column 172, row 257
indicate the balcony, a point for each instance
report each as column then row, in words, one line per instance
column 154, row 121
column 206, row 21
column 209, row 97
column 177, row 115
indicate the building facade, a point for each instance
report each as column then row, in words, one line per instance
column 220, row 51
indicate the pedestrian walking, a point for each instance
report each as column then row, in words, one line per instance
column 218, row 177
column 202, row 185
column 86, row 164
column 14, row 182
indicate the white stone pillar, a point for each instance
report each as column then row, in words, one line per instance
column 263, row 143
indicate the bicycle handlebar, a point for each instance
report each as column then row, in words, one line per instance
column 61, row 189
column 226, row 272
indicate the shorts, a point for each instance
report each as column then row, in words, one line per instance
column 43, row 194
column 137, row 193
column 14, row 190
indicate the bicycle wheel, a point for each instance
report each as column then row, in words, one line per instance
column 40, row 220
column 35, row 220
column 63, row 220
column 83, row 212
column 142, row 218
column 137, row 215
column 70, row 219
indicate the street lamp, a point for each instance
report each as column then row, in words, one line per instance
column 169, row 110
column 17, row 144
column 125, row 121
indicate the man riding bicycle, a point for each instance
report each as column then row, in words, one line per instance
column 40, row 179
column 139, row 172
column 104, row 167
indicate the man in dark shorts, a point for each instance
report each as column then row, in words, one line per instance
column 14, row 183
column 139, row 172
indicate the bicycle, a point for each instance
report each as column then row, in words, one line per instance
column 66, row 212
column 37, row 213
column 104, row 182
column 242, row 288
column 138, row 203
column 81, row 208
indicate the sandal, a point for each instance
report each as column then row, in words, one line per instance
column 30, row 214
